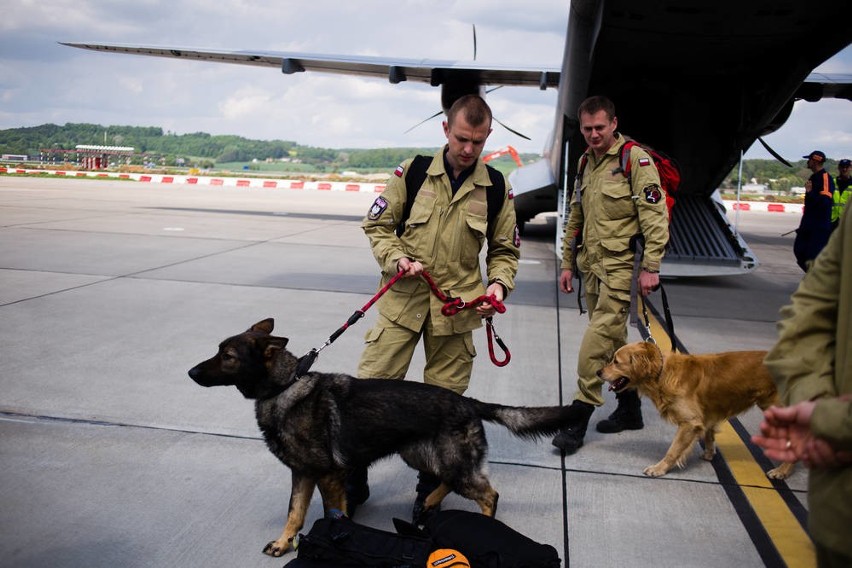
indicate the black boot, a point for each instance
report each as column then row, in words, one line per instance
column 570, row 439
column 357, row 489
column 426, row 484
column 628, row 415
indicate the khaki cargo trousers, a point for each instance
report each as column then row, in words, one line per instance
column 390, row 347
column 609, row 311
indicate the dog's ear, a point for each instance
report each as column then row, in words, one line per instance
column 653, row 357
column 264, row 326
column 272, row 345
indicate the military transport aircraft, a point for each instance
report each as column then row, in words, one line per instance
column 698, row 80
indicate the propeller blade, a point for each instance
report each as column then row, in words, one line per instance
column 439, row 113
column 513, row 131
column 492, row 89
column 775, row 154
column 474, row 41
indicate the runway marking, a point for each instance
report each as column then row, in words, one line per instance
column 786, row 533
column 768, row 510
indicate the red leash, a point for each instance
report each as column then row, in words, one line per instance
column 451, row 307
column 307, row 360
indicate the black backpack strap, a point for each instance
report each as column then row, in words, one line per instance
column 414, row 178
column 581, row 169
column 624, row 159
column 494, row 195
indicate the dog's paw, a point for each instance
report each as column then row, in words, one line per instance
column 708, row 455
column 783, row 471
column 277, row 548
column 656, row 470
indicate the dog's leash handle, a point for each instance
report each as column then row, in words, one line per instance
column 489, row 329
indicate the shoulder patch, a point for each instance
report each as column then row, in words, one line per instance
column 511, row 193
column 378, row 207
column 644, row 162
column 399, row 171
column 653, row 194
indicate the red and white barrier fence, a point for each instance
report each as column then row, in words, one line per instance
column 254, row 182
column 223, row 181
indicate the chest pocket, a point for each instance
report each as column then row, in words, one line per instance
column 478, row 225
column 421, row 209
column 617, row 199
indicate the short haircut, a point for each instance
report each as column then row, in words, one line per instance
column 593, row 105
column 476, row 110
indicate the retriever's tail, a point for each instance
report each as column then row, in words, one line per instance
column 526, row 421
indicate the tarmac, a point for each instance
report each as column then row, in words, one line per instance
column 111, row 456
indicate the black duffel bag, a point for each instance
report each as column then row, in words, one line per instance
column 338, row 542
column 484, row 542
column 487, row 542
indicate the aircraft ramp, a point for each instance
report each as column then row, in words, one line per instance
column 702, row 241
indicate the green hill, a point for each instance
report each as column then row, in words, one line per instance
column 201, row 150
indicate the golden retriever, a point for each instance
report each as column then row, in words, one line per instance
column 695, row 393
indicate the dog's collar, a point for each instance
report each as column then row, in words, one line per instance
column 302, row 367
column 274, row 391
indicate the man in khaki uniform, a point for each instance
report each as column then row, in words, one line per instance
column 812, row 366
column 443, row 235
column 607, row 210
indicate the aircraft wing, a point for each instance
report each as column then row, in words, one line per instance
column 395, row 70
column 826, row 85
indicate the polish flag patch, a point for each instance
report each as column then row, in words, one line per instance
column 399, row 171
column 644, row 162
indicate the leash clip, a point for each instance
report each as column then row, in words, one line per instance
column 306, row 362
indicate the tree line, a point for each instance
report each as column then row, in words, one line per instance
column 199, row 149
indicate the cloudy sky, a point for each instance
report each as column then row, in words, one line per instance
column 44, row 82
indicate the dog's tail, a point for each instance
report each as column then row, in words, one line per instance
column 527, row 421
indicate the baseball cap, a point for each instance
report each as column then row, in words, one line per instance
column 845, row 163
column 816, row 155
column 447, row 558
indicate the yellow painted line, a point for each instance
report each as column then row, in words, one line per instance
column 793, row 543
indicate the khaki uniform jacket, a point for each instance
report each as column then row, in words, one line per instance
column 609, row 210
column 446, row 234
column 813, row 361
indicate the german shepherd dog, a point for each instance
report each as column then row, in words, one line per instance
column 322, row 425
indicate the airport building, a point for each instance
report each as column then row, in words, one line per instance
column 88, row 156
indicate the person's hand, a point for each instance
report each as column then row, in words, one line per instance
column 565, row 279
column 410, row 268
column 485, row 309
column 648, row 282
column 786, row 436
